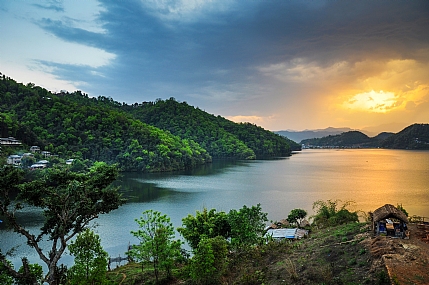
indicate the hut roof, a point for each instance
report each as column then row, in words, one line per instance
column 389, row 211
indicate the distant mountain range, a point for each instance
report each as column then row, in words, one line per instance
column 415, row 136
column 298, row 136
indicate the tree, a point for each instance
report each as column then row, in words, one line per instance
column 156, row 235
column 207, row 224
column 328, row 214
column 90, row 259
column 401, row 208
column 35, row 273
column 296, row 216
column 209, row 261
column 69, row 200
column 247, row 225
column 5, row 277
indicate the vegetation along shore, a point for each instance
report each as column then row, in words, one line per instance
column 225, row 248
column 60, row 153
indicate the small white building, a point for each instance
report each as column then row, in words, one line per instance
column 37, row 166
column 69, row 161
column 14, row 159
column 28, row 154
column 46, row 153
column 40, row 164
column 279, row 234
column 34, row 149
column 9, row 141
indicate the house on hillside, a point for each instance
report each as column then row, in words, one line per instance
column 34, row 149
column 14, row 159
column 286, row 233
column 40, row 164
column 46, row 154
column 28, row 154
column 9, row 141
column 389, row 221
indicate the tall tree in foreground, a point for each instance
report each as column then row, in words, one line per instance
column 209, row 260
column 205, row 224
column 247, row 226
column 69, row 200
column 90, row 262
column 156, row 234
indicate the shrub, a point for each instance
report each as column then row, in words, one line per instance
column 330, row 214
column 210, row 260
column 296, row 216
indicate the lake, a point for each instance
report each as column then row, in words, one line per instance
column 370, row 177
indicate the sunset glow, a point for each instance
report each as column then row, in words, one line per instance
column 372, row 101
column 278, row 64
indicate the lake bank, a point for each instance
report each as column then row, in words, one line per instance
column 372, row 178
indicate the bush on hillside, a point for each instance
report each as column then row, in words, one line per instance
column 329, row 213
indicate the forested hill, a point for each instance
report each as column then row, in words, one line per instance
column 81, row 129
column 347, row 139
column 222, row 138
column 415, row 136
column 73, row 125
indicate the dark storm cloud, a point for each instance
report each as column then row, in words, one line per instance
column 222, row 49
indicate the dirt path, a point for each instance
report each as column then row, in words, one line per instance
column 406, row 260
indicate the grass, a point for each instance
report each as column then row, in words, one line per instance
column 291, row 269
column 320, row 259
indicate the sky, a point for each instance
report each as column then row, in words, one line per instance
column 283, row 65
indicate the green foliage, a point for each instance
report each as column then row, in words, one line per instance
column 243, row 228
column 247, row 226
column 209, row 260
column 78, row 166
column 69, row 201
column 219, row 136
column 328, row 213
column 156, row 234
column 401, row 208
column 90, row 259
column 382, row 278
column 205, row 224
column 73, row 125
column 346, row 139
column 415, row 136
column 296, row 216
column 5, row 277
column 35, row 274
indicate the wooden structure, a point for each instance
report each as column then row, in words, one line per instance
column 389, row 221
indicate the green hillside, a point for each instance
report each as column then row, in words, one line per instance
column 153, row 136
column 71, row 126
column 222, row 138
column 415, row 136
column 347, row 139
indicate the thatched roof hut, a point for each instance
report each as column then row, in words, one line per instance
column 389, row 211
column 383, row 225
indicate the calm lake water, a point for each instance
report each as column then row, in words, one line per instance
column 370, row 177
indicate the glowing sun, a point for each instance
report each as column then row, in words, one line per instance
column 379, row 102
